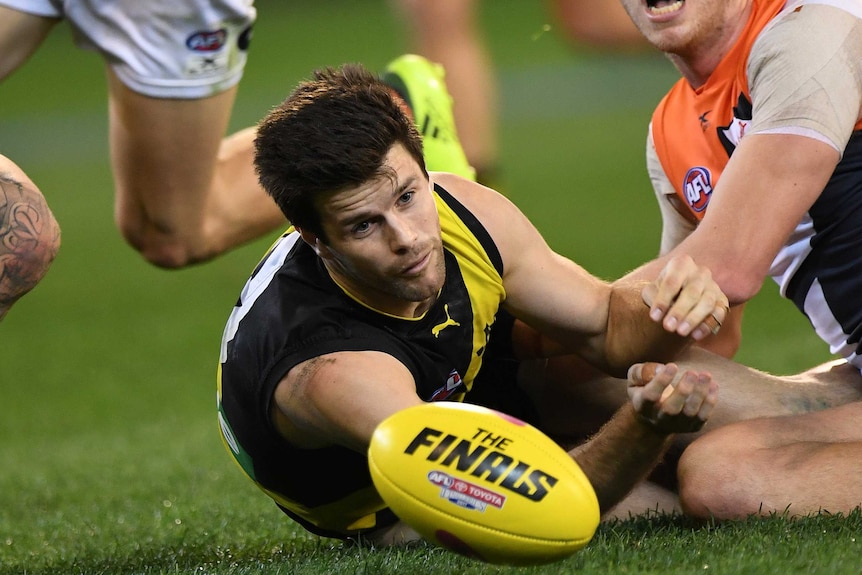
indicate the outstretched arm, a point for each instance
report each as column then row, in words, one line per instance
column 609, row 325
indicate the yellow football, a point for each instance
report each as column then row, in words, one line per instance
column 483, row 484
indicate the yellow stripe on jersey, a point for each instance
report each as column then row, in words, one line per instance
column 355, row 512
column 483, row 281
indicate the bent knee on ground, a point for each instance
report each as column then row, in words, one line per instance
column 720, row 476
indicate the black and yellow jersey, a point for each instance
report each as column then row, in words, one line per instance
column 291, row 310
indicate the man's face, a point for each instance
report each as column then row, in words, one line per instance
column 686, row 27
column 384, row 244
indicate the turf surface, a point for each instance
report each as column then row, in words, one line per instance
column 110, row 460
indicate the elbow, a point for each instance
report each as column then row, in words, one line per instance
column 46, row 247
column 49, row 242
column 739, row 285
column 25, row 260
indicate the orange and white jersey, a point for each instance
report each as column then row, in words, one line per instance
column 796, row 69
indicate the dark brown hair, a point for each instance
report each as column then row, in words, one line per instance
column 332, row 132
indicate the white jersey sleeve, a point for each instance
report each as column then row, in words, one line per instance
column 805, row 73
column 46, row 8
column 160, row 48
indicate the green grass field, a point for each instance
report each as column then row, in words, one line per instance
column 110, row 460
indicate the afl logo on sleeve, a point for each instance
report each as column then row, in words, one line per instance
column 697, row 186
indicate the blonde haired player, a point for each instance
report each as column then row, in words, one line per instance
column 755, row 155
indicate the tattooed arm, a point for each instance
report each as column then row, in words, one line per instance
column 29, row 235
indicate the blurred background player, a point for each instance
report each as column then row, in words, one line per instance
column 184, row 192
column 755, row 156
column 449, row 32
column 596, row 25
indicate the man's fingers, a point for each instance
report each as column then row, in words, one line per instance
column 674, row 402
column 709, row 402
column 642, row 373
column 712, row 323
column 686, row 300
column 649, row 293
column 689, row 405
column 698, row 396
column 699, row 302
column 660, row 386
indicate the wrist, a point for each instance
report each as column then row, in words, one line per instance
column 650, row 425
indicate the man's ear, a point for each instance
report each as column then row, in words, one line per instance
column 315, row 242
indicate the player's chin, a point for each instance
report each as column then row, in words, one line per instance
column 422, row 286
column 419, row 291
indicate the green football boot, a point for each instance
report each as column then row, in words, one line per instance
column 421, row 84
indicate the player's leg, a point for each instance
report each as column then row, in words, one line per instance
column 799, row 464
column 744, row 392
column 575, row 399
column 647, row 498
column 447, row 32
column 597, row 24
column 29, row 235
column 421, row 84
column 183, row 192
column 770, row 440
column 21, row 33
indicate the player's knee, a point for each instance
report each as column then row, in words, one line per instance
column 162, row 246
column 715, row 478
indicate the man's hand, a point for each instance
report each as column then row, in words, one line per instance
column 668, row 406
column 686, row 300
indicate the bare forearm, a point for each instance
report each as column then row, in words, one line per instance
column 725, row 343
column 654, row 321
column 631, row 335
column 620, row 455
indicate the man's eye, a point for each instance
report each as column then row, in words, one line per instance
column 406, row 197
column 361, row 227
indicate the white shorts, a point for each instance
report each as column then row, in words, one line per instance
column 160, row 48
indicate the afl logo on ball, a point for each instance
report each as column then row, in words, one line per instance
column 698, row 188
